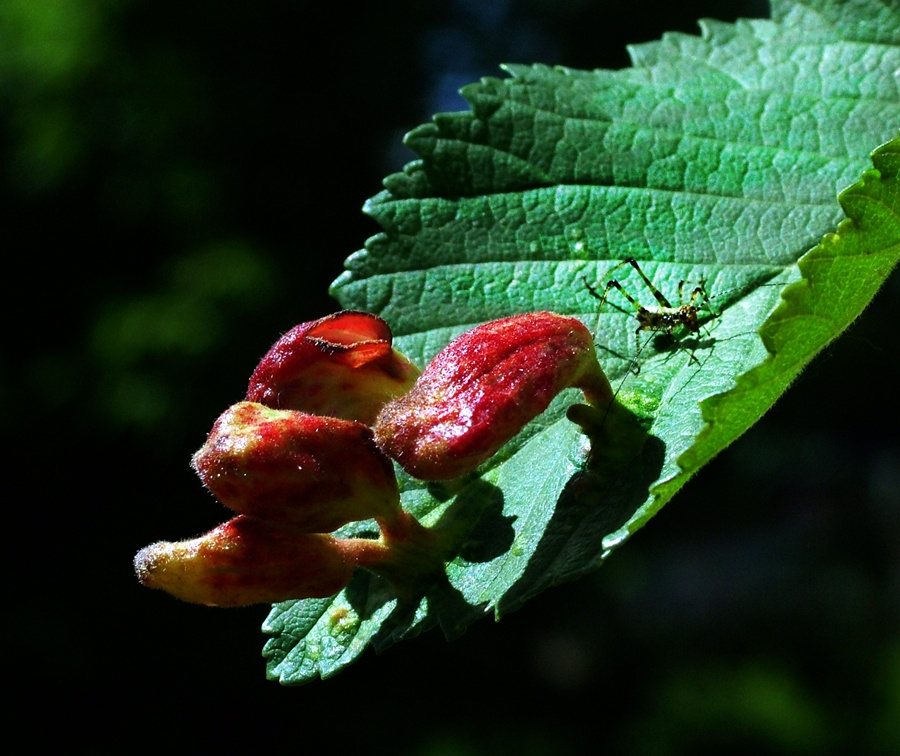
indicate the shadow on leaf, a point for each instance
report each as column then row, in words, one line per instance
column 622, row 464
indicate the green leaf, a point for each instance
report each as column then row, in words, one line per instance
column 714, row 159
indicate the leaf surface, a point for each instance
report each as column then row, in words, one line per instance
column 714, row 159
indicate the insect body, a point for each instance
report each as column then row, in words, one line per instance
column 664, row 317
column 674, row 329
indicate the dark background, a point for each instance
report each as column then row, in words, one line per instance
column 180, row 183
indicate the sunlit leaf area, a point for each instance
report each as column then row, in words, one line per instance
column 181, row 184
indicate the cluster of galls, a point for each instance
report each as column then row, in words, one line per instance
column 311, row 447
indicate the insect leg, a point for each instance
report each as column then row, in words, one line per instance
column 613, row 284
column 656, row 292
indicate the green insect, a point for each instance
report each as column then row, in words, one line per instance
column 663, row 317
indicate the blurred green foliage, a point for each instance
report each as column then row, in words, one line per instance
column 164, row 181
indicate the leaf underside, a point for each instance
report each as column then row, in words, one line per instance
column 714, row 159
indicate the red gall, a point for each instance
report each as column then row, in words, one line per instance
column 483, row 387
column 247, row 561
column 317, row 473
column 342, row 365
